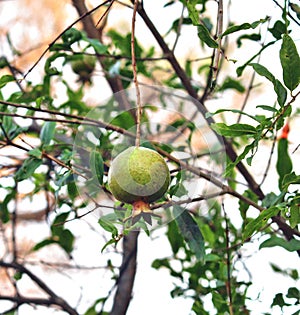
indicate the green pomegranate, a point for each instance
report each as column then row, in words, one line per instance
column 84, row 67
column 139, row 176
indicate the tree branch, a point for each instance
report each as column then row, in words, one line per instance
column 53, row 298
column 126, row 276
column 202, row 109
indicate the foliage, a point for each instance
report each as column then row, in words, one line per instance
column 67, row 146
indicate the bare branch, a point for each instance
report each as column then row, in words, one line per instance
column 53, row 298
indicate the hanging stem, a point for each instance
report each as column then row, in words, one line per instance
column 137, row 90
column 219, row 39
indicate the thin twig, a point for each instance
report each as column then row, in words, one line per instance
column 228, row 264
column 218, row 52
column 105, row 13
column 269, row 161
column 178, row 29
column 135, row 80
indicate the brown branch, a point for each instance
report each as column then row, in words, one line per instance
column 218, row 51
column 202, row 109
column 228, row 264
column 53, row 298
column 126, row 276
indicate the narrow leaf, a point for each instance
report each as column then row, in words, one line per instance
column 295, row 215
column 244, row 26
column 278, row 87
column 290, row 62
column 97, row 166
column 174, row 237
column 290, row 179
column 28, row 168
column 98, row 47
column 108, row 226
column 66, row 240
column 284, row 164
column 267, row 108
column 235, row 130
column 5, row 79
column 44, row 243
column 47, row 132
column 204, row 35
column 292, row 245
column 256, row 224
column 193, row 13
column 111, row 241
column 190, row 231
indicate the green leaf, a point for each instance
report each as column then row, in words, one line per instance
column 290, row 179
column 28, row 168
column 254, row 37
column 158, row 263
column 4, row 212
column 294, row 215
column 284, row 164
column 278, row 87
column 108, row 226
column 36, row 153
column 296, row 8
column 5, row 79
column 247, row 149
column 290, row 62
column 294, row 293
column 204, row 35
column 174, row 237
column 193, row 13
column 97, row 166
column 244, row 26
column 124, row 120
column 291, row 246
column 259, row 222
column 44, row 243
column 278, row 29
column 47, row 132
column 235, row 130
column 72, row 190
column 63, row 237
column 190, row 231
column 267, row 108
column 230, row 83
column 66, row 240
column 58, row 224
column 110, row 242
column 71, row 36
column 98, row 47
column 279, row 301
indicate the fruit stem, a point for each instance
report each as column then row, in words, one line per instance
column 137, row 90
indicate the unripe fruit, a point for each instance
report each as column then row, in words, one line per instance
column 84, row 67
column 139, row 176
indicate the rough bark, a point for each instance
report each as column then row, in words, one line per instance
column 126, row 276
